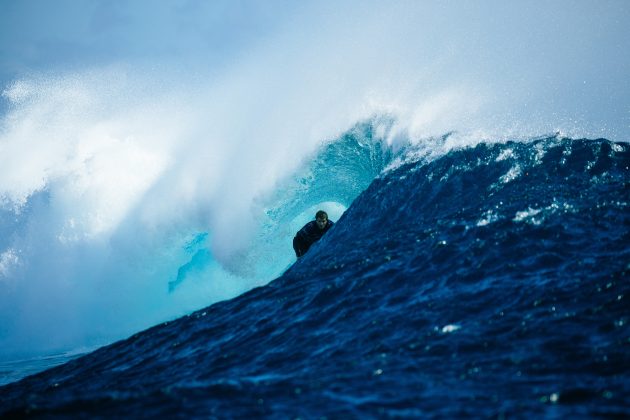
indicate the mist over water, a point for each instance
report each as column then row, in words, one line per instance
column 121, row 173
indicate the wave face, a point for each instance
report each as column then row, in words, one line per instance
column 491, row 281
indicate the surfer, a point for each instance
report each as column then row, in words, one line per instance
column 311, row 233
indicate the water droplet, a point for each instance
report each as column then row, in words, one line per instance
column 450, row 328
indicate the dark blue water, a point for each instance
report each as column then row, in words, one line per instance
column 491, row 282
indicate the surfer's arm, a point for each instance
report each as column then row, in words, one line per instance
column 305, row 234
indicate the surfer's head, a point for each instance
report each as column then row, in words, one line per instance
column 321, row 217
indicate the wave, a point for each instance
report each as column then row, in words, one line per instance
column 491, row 278
column 86, row 232
column 137, row 187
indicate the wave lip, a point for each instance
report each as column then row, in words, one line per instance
column 407, row 303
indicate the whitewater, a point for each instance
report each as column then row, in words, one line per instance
column 141, row 187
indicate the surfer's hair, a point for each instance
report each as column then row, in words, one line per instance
column 321, row 214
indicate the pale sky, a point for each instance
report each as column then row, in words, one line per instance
column 38, row 34
column 560, row 52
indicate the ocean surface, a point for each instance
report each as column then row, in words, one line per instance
column 485, row 281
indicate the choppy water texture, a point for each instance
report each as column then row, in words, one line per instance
column 491, row 281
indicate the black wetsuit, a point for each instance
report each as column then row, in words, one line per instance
column 308, row 235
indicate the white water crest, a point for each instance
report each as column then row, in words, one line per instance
column 122, row 172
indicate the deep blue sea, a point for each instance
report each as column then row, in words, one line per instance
column 491, row 281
